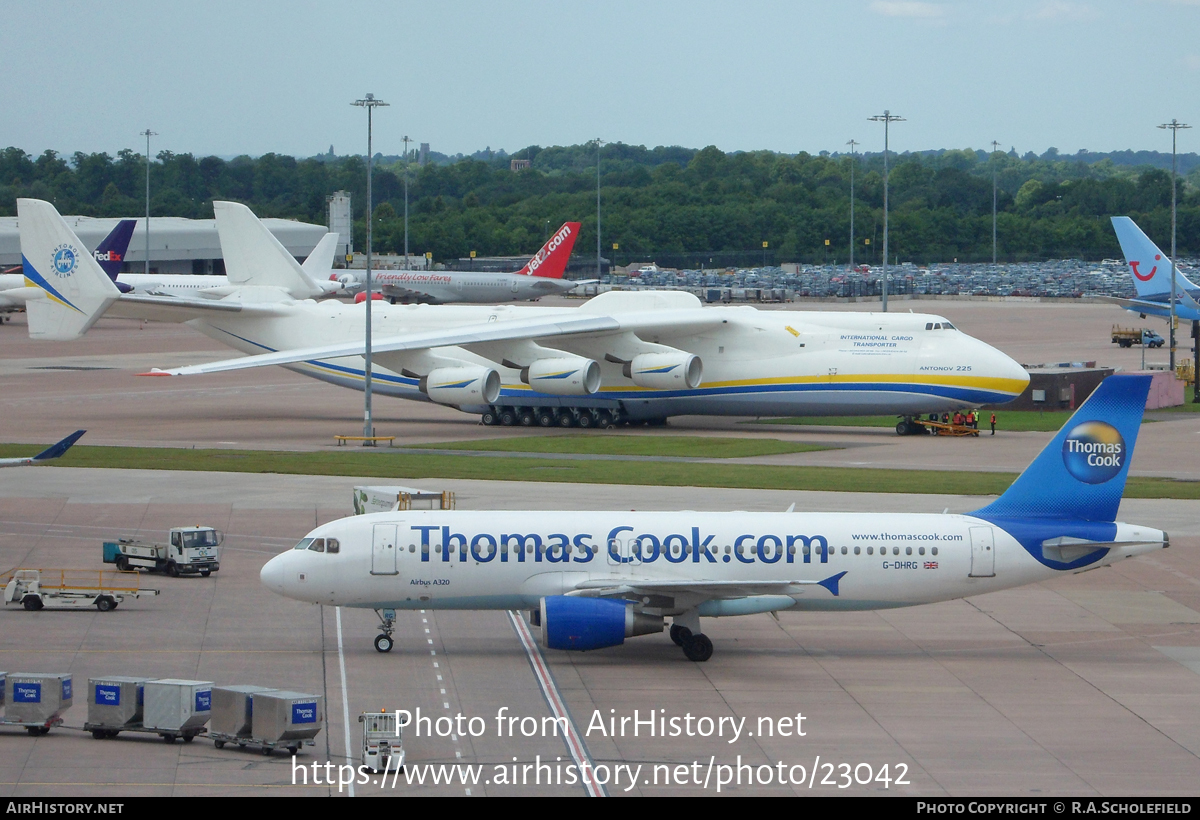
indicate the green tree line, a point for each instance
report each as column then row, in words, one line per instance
column 666, row 201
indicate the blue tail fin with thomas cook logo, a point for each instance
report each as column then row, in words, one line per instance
column 1081, row 473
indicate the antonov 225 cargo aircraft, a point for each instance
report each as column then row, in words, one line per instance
column 620, row 356
column 594, row 579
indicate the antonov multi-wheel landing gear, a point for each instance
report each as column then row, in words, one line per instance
column 387, row 623
column 695, row 647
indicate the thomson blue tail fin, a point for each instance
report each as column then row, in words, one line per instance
column 1081, row 473
column 110, row 253
column 56, row 450
column 1149, row 266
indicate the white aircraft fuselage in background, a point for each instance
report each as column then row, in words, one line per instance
column 456, row 286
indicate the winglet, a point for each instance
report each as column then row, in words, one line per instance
column 831, row 583
column 56, row 450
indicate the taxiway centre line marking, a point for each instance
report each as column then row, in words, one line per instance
column 579, row 752
column 345, row 701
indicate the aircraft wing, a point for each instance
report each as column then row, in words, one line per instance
column 1140, row 305
column 50, row 453
column 559, row 325
column 182, row 308
column 704, row 588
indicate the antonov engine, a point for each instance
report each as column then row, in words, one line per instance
column 665, row 371
column 567, row 376
column 461, row 385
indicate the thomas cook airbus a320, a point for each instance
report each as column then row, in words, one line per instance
column 593, row 579
column 622, row 356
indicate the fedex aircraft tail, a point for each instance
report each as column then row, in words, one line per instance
column 75, row 290
column 110, row 253
column 1081, row 473
column 1150, row 266
column 551, row 260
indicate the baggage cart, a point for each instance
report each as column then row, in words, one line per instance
column 278, row 720
column 36, row 701
column 177, row 708
column 115, row 705
column 36, row 589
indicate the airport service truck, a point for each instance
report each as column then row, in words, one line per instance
column 189, row 550
column 1130, row 336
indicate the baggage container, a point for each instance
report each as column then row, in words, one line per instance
column 115, row 702
column 37, row 699
column 2, row 676
column 232, row 708
column 280, row 716
column 177, row 706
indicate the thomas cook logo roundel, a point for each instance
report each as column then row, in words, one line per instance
column 1094, row 452
column 64, row 260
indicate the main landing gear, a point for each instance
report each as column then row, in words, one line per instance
column 696, row 647
column 387, row 624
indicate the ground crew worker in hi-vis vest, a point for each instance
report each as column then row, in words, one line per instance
column 993, row 424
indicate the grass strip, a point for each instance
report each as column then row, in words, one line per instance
column 624, row 445
column 673, row 474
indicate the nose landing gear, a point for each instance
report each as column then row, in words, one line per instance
column 387, row 624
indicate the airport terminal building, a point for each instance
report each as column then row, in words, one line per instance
column 177, row 245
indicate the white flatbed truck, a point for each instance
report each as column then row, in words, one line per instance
column 37, row 589
column 188, row 551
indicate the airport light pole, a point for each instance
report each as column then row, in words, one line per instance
column 599, row 271
column 148, row 134
column 852, row 143
column 406, row 142
column 995, row 147
column 369, row 103
column 887, row 118
column 1175, row 127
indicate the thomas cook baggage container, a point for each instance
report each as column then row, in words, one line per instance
column 177, row 705
column 36, row 698
column 232, row 708
column 280, row 716
column 115, row 701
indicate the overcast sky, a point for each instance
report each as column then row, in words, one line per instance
column 254, row 76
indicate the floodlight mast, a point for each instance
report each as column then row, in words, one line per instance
column 887, row 118
column 599, row 268
column 995, row 148
column 1175, row 126
column 369, row 103
column 852, row 143
column 406, row 142
column 148, row 134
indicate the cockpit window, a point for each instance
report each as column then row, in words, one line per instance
column 318, row 545
column 332, row 545
column 303, row 545
column 948, row 326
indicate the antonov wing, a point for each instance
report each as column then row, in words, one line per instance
column 558, row 325
column 50, row 453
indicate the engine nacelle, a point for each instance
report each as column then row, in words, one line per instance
column 592, row 623
column 568, row 376
column 665, row 371
column 461, row 385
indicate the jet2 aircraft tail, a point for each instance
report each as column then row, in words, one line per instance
column 75, row 290
column 1149, row 265
column 551, row 260
column 1081, row 473
column 110, row 253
